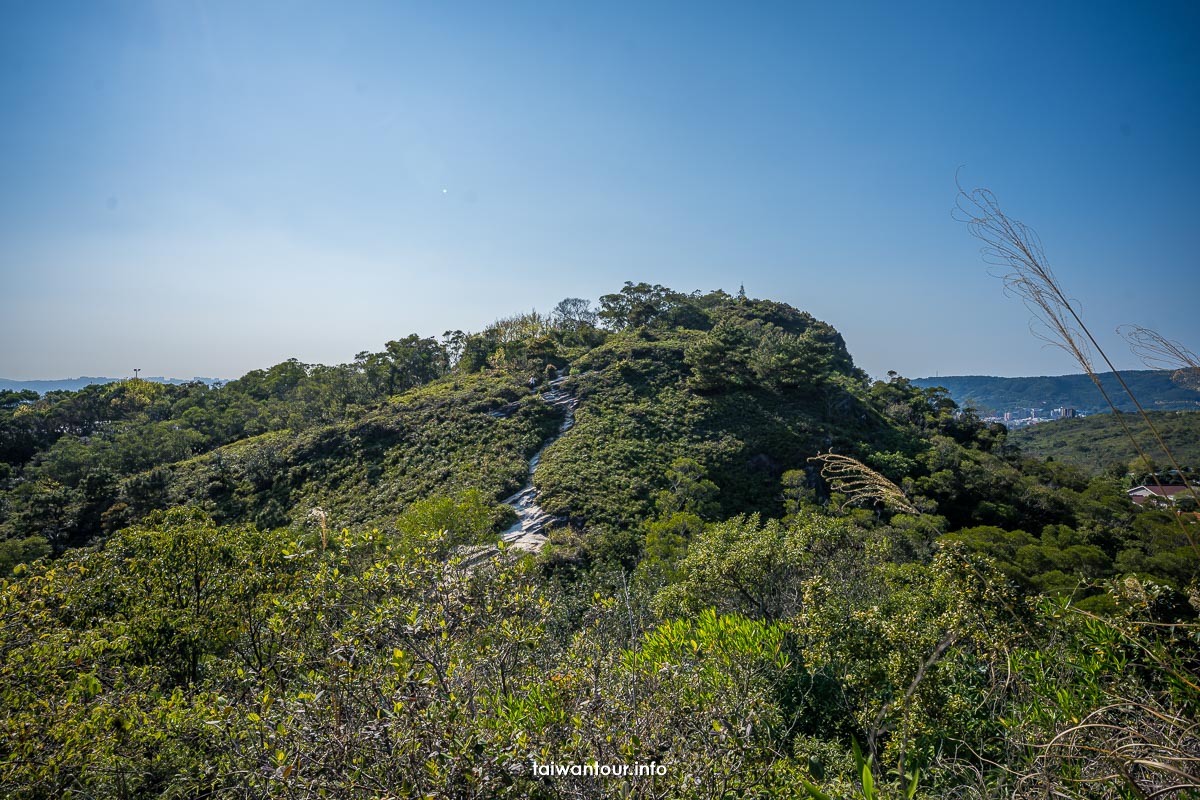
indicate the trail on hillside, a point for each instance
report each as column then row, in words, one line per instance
column 526, row 532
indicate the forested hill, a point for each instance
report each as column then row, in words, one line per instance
column 292, row 585
column 1156, row 389
column 740, row 392
column 721, row 399
column 749, row 389
column 1099, row 443
column 75, row 384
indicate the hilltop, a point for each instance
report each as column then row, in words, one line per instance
column 301, row 581
column 670, row 390
column 750, row 389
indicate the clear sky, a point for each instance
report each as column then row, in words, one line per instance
column 202, row 188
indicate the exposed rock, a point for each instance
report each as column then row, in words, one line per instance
column 526, row 534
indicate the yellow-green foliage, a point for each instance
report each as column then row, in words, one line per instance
column 711, row 609
column 640, row 410
column 1098, row 443
column 187, row 659
column 434, row 439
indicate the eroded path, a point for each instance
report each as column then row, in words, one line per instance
column 526, row 533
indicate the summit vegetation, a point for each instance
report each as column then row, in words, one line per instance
column 273, row 587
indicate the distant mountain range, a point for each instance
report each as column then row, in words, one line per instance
column 75, row 384
column 1155, row 389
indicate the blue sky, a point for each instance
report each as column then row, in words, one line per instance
column 202, row 188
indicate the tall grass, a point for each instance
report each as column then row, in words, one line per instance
column 860, row 483
column 1159, row 352
column 1015, row 251
column 1143, row 737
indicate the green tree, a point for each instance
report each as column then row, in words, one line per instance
column 688, row 490
column 462, row 519
column 785, row 359
column 749, row 566
column 11, row 399
column 21, row 551
column 636, row 305
column 575, row 313
column 720, row 358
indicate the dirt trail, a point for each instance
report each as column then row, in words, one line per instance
column 526, row 533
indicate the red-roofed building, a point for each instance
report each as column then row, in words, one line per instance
column 1140, row 494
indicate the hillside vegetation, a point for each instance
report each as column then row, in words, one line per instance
column 1160, row 390
column 262, row 589
column 1099, row 443
column 75, row 384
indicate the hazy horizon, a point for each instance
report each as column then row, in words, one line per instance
column 226, row 378
column 207, row 188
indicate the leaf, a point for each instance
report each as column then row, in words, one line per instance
column 868, row 782
column 816, row 793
